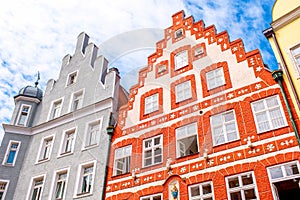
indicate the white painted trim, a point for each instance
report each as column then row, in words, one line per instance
column 30, row 189
column 52, row 107
column 4, row 162
column 72, row 99
column 19, row 115
column 62, row 142
column 152, row 156
column 68, row 77
column 38, row 161
column 6, row 187
column 54, row 179
column 201, row 183
column 87, row 125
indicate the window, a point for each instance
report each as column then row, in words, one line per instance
column 152, row 151
column 284, row 171
column 151, row 103
column 224, row 128
column 11, row 153
column 60, row 184
column 45, row 149
column 186, row 140
column 86, row 179
column 268, row 114
column 296, row 56
column 183, row 91
column 72, row 78
column 202, row 191
column 23, row 116
column 178, row 33
column 56, row 109
column 199, row 51
column 181, row 59
column 37, row 188
column 3, row 188
column 161, row 69
column 152, row 197
column 68, row 141
column 122, row 160
column 215, row 78
column 77, row 101
column 93, row 132
column 241, row 187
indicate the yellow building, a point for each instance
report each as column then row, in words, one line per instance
column 284, row 36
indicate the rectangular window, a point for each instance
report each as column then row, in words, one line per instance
column 3, row 188
column 224, row 128
column 178, row 33
column 152, row 151
column 215, row 78
column 86, row 179
column 151, row 103
column 296, row 56
column 287, row 170
column 60, row 184
column 68, row 141
column 56, row 109
column 72, row 78
column 24, row 114
column 11, row 153
column 202, row 191
column 77, row 101
column 268, row 114
column 241, row 187
column 181, row 59
column 122, row 160
column 93, row 132
column 45, row 149
column 152, row 197
column 183, row 91
column 186, row 140
column 37, row 188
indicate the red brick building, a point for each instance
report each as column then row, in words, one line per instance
column 205, row 121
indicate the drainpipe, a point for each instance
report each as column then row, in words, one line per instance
column 278, row 77
column 110, row 131
column 270, row 33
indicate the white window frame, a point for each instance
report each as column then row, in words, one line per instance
column 183, row 132
column 241, row 188
column 55, row 180
column 181, row 59
column 178, row 33
column 223, row 125
column 51, row 114
column 8, row 149
column 150, row 197
column 201, row 195
column 126, row 154
column 87, row 139
column 152, row 148
column 32, row 186
column 68, row 83
column 216, row 79
column 294, row 56
column 183, row 91
column 74, row 98
column 80, row 174
column 21, row 114
column 43, row 145
column 151, row 103
column 65, row 139
column 198, row 51
column 6, row 182
column 267, row 110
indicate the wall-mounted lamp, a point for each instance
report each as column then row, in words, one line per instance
column 168, row 164
column 205, row 154
column 249, row 143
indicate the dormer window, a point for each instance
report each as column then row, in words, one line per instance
column 24, row 114
column 72, row 77
column 178, row 33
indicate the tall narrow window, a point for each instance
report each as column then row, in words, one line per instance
column 186, row 140
column 152, row 150
column 181, row 59
column 46, row 148
column 77, row 101
column 37, row 187
column 56, row 109
column 93, row 133
column 224, row 127
column 215, row 78
column 3, row 189
column 11, row 153
column 68, row 142
column 268, row 114
column 183, row 91
column 86, row 179
column 72, row 77
column 122, row 160
column 296, row 55
column 201, row 191
column 60, row 188
column 151, row 103
column 24, row 114
column 241, row 187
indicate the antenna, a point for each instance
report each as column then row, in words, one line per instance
column 38, row 78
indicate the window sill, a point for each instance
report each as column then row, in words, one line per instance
column 183, row 157
column 8, row 165
column 274, row 129
column 42, row 161
column 65, row 154
column 89, row 147
column 80, row 195
column 149, row 166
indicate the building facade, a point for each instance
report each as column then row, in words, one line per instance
column 285, row 42
column 57, row 144
column 205, row 121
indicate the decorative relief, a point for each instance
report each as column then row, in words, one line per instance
column 225, row 158
column 270, row 147
column 287, row 142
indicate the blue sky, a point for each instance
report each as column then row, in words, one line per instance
column 36, row 35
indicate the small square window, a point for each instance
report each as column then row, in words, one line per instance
column 23, row 115
column 199, row 51
column 181, row 59
column 183, row 91
column 152, row 197
column 151, row 103
column 45, row 149
column 187, row 140
column 178, row 33
column 215, row 78
column 284, row 171
column 161, row 69
column 152, row 151
column 201, row 191
column 72, row 78
column 11, row 153
column 122, row 160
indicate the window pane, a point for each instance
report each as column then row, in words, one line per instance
column 190, row 145
column 233, row 182
column 207, row 189
column 11, row 157
column 235, row 196
column 291, row 169
column 195, row 191
column 250, row 194
column 276, row 172
column 247, row 179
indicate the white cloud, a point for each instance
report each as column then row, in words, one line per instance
column 36, row 35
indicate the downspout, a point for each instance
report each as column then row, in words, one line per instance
column 278, row 77
column 110, row 131
column 270, row 33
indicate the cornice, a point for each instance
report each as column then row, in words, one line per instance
column 286, row 19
